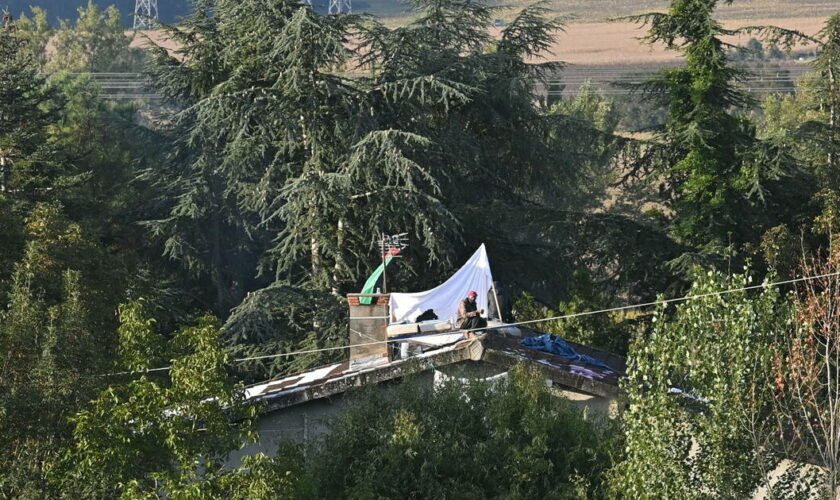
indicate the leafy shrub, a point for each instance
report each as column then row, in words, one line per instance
column 513, row 439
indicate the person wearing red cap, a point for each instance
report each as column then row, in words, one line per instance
column 469, row 315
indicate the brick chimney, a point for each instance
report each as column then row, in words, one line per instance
column 368, row 323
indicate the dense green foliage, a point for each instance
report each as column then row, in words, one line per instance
column 511, row 439
column 55, row 340
column 95, row 43
column 695, row 387
column 289, row 155
column 142, row 437
column 239, row 209
column 724, row 185
column 807, row 122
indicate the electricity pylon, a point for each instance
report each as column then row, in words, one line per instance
column 339, row 6
column 145, row 14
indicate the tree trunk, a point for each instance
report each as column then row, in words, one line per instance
column 216, row 266
column 317, row 265
column 6, row 164
column 217, row 261
column 338, row 259
column 833, row 167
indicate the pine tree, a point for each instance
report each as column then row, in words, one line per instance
column 197, row 211
column 505, row 160
column 300, row 138
column 806, row 124
column 827, row 66
column 37, row 33
column 27, row 106
column 28, row 164
column 724, row 185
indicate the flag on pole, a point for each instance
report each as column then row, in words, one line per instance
column 370, row 284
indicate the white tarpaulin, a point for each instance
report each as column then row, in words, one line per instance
column 444, row 299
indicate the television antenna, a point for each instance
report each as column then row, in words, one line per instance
column 390, row 246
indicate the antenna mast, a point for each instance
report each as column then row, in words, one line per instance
column 145, row 14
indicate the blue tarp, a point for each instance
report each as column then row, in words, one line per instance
column 555, row 345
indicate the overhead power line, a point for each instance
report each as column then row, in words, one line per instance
column 603, row 81
column 522, row 323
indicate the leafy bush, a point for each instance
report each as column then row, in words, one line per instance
column 697, row 390
column 514, row 439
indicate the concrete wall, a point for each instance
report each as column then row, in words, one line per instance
column 305, row 421
column 594, row 406
column 296, row 424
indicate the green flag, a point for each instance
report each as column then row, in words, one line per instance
column 370, row 284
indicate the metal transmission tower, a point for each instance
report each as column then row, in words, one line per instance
column 145, row 14
column 339, row 6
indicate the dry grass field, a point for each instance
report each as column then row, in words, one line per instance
column 615, row 43
column 603, row 10
column 591, row 39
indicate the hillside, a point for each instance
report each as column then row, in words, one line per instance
column 396, row 11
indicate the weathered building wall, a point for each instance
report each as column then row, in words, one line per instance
column 296, row 424
column 310, row 419
column 306, row 421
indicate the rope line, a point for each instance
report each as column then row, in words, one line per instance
column 520, row 323
column 678, row 299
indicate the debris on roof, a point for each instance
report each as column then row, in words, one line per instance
column 440, row 350
column 561, row 347
column 338, row 378
column 575, row 375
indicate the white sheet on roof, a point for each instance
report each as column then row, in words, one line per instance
column 444, row 299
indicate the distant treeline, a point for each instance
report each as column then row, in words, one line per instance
column 170, row 10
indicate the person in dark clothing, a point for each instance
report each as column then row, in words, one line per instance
column 469, row 315
column 504, row 309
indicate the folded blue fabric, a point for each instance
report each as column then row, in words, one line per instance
column 555, row 345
